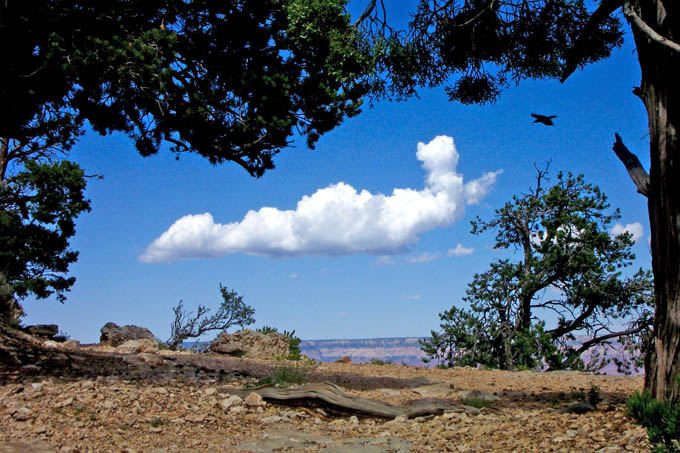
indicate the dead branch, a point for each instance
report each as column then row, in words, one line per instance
column 332, row 397
column 633, row 165
column 646, row 29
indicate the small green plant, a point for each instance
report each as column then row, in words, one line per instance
column 380, row 362
column 157, row 422
column 662, row 421
column 592, row 396
column 294, row 352
column 287, row 375
column 92, row 417
column 475, row 401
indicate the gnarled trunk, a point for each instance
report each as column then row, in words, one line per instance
column 660, row 91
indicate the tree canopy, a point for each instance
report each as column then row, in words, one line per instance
column 232, row 81
column 569, row 266
column 38, row 208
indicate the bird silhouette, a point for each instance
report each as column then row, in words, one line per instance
column 547, row 120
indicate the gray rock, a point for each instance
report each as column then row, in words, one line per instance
column 114, row 335
column 22, row 414
column 251, row 344
column 43, row 330
column 254, row 400
column 23, row 447
column 137, row 346
column 233, row 400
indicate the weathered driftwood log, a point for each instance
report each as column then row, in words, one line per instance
column 332, row 397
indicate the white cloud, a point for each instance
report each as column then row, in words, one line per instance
column 412, row 297
column 336, row 220
column 425, row 257
column 293, row 275
column 634, row 229
column 460, row 251
column 384, row 260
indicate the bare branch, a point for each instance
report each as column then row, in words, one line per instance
column 633, row 165
column 367, row 12
column 646, row 29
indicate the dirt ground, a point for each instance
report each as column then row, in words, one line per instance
column 97, row 401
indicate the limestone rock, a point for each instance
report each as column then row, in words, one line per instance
column 22, row 414
column 114, row 335
column 254, row 400
column 345, row 359
column 43, row 330
column 233, row 400
column 137, row 346
column 251, row 344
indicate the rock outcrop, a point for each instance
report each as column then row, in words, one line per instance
column 138, row 346
column 43, row 330
column 251, row 344
column 115, row 335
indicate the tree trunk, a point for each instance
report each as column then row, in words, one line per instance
column 4, row 158
column 660, row 91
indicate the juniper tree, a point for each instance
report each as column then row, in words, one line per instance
column 568, row 265
column 478, row 47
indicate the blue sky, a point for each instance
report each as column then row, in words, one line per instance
column 314, row 279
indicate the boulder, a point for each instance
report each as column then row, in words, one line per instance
column 114, row 335
column 137, row 346
column 251, row 344
column 43, row 330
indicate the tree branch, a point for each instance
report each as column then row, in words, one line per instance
column 367, row 12
column 633, row 165
column 598, row 340
column 646, row 29
column 574, row 54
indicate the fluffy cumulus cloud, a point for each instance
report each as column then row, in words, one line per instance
column 634, row 229
column 336, row 220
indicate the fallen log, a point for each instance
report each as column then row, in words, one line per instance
column 332, row 397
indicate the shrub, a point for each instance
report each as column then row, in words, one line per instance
column 380, row 362
column 232, row 312
column 287, row 375
column 662, row 421
column 475, row 401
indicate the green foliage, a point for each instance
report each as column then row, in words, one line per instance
column 380, row 362
column 265, row 330
column 662, row 420
column 562, row 234
column 231, row 81
column 157, row 422
column 475, row 401
column 38, row 208
column 479, row 47
column 287, row 375
column 233, row 311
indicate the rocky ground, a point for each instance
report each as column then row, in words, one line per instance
column 76, row 400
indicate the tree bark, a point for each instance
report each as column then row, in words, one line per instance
column 660, row 92
column 4, row 157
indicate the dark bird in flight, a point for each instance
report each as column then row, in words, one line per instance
column 547, row 120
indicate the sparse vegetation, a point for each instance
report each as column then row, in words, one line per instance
column 157, row 422
column 380, row 362
column 661, row 419
column 475, row 400
column 294, row 352
column 232, row 312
